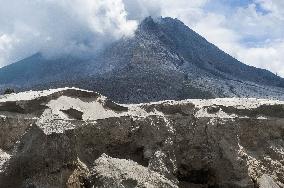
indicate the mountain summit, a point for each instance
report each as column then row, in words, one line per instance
column 164, row 60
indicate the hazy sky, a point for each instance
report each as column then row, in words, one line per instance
column 250, row 30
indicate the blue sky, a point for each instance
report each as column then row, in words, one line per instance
column 227, row 7
column 213, row 5
column 249, row 30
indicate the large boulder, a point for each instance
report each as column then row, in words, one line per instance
column 267, row 182
column 111, row 172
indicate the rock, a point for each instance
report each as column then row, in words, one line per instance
column 267, row 182
column 111, row 172
column 192, row 143
column 73, row 113
column 4, row 157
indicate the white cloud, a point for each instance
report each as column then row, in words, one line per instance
column 251, row 33
column 261, row 31
column 5, row 46
column 269, row 56
column 183, row 9
column 253, row 36
column 59, row 26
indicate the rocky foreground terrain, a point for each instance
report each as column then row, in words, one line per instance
column 75, row 138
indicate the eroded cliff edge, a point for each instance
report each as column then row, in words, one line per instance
column 76, row 138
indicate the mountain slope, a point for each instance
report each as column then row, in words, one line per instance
column 197, row 50
column 164, row 60
column 37, row 69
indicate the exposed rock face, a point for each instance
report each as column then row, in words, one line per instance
column 110, row 172
column 76, row 138
column 267, row 182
